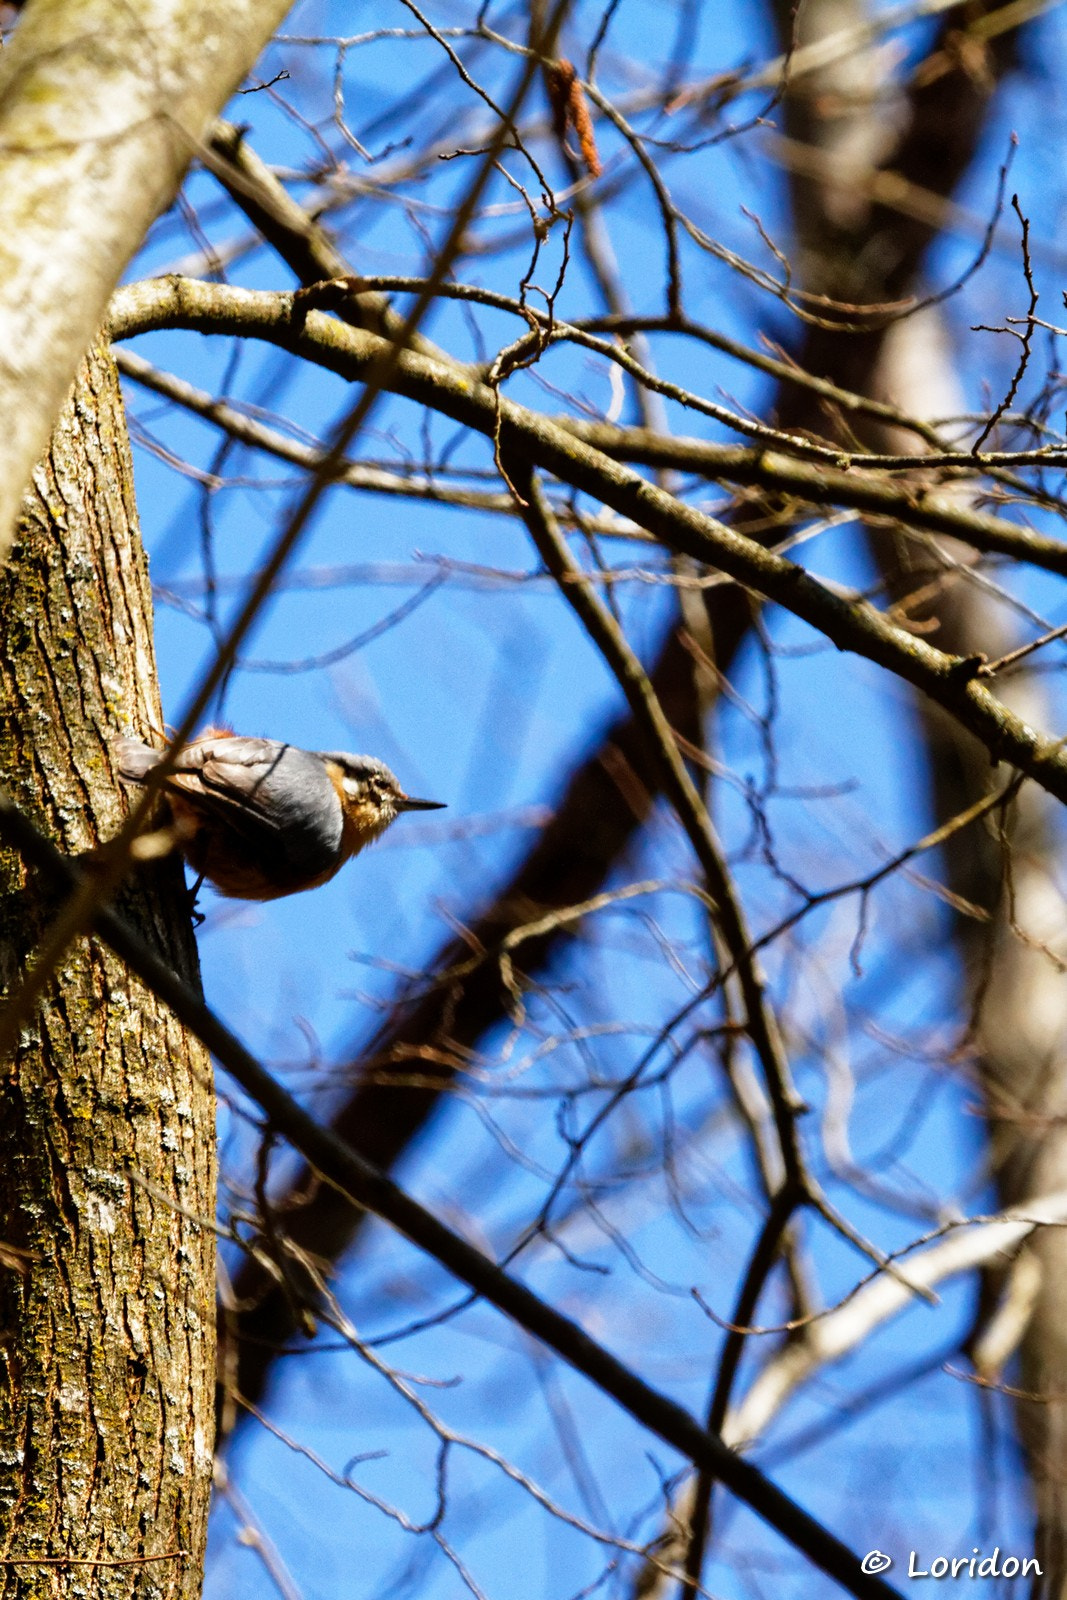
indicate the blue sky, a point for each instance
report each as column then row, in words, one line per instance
column 483, row 698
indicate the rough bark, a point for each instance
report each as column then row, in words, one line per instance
column 102, row 106
column 106, row 1109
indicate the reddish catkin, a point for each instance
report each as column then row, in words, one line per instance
column 570, row 110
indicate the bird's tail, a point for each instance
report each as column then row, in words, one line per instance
column 135, row 759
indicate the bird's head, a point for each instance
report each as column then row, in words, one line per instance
column 371, row 796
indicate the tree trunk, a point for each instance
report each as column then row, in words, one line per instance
column 102, row 106
column 106, row 1109
column 1014, row 964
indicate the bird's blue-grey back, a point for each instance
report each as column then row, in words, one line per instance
column 274, row 794
column 272, row 798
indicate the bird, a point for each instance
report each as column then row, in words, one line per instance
column 260, row 819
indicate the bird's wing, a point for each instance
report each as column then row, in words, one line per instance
column 261, row 788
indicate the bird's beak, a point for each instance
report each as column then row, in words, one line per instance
column 406, row 803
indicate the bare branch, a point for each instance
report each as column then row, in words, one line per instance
column 950, row 682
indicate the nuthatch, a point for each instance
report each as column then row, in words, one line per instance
column 261, row 819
